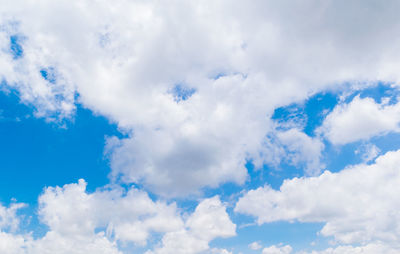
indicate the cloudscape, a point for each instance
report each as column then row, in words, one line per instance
column 199, row 127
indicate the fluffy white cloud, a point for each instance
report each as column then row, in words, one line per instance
column 220, row 251
column 74, row 216
column 366, row 249
column 12, row 244
column 131, row 216
column 287, row 249
column 81, row 222
column 255, row 246
column 372, row 248
column 293, row 147
column 209, row 221
column 125, row 58
column 361, row 119
column 8, row 216
column 300, row 148
column 357, row 204
column 368, row 152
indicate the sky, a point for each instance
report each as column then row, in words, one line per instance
column 199, row 127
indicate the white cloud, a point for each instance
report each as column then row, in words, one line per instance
column 209, row 221
column 357, row 204
column 124, row 58
column 58, row 243
column 74, row 216
column 255, row 246
column 366, row 249
column 293, row 147
column 287, row 249
column 11, row 244
column 300, row 148
column 220, row 251
column 361, row 119
column 131, row 216
column 81, row 222
column 368, row 152
column 8, row 216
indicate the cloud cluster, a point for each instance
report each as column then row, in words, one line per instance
column 190, row 80
column 80, row 222
column 194, row 85
column 208, row 222
column 357, row 204
column 372, row 248
column 365, row 249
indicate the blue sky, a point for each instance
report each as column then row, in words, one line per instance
column 118, row 137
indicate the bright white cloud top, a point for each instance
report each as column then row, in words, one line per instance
column 193, row 85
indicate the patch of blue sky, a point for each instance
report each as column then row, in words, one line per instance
column 338, row 158
column 307, row 115
column 377, row 91
column 36, row 154
column 380, row 91
column 218, row 75
column 310, row 114
column 298, row 235
column 15, row 46
column 49, row 74
column 181, row 92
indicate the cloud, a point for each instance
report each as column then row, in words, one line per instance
column 81, row 222
column 12, row 244
column 209, row 221
column 300, row 148
column 239, row 61
column 8, row 216
column 129, row 217
column 372, row 248
column 357, row 204
column 287, row 249
column 366, row 249
column 360, row 119
column 368, row 152
column 255, row 246
column 220, row 251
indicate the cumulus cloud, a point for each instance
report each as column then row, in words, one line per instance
column 357, row 204
column 371, row 248
column 273, row 249
column 12, row 244
column 209, row 221
column 220, row 251
column 129, row 217
column 239, row 60
column 360, row 119
column 73, row 217
column 255, row 246
column 8, row 216
column 366, row 249
column 293, row 147
column 81, row 222
column 302, row 149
